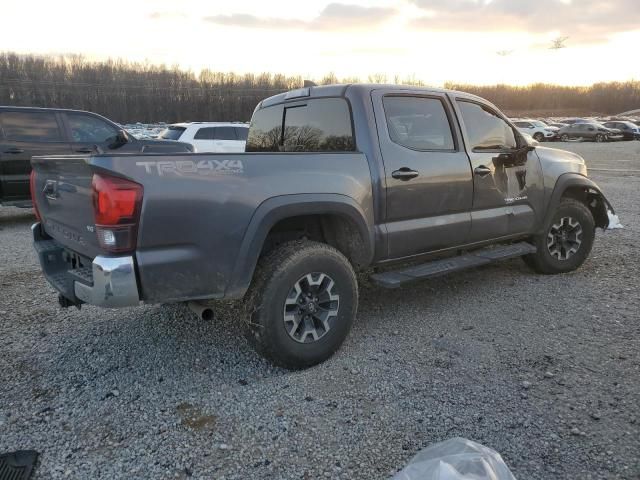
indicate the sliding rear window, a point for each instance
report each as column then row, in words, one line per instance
column 317, row 125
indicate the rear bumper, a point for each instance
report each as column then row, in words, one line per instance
column 107, row 282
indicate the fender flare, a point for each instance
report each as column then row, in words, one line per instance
column 597, row 202
column 278, row 208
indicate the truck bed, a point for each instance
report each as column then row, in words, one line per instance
column 192, row 238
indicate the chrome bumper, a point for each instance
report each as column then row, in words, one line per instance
column 109, row 282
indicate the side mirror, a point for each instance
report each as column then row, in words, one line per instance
column 516, row 157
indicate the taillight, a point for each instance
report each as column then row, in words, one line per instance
column 32, row 189
column 116, row 208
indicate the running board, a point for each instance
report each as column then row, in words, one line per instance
column 436, row 268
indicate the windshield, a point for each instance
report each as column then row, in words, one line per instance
column 538, row 123
column 172, row 132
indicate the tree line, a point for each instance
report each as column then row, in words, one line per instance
column 143, row 92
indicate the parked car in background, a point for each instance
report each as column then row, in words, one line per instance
column 629, row 130
column 539, row 130
column 571, row 121
column 558, row 125
column 26, row 131
column 589, row 131
column 209, row 136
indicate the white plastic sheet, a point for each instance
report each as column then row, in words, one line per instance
column 456, row 459
column 614, row 221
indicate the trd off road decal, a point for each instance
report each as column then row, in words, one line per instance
column 512, row 182
column 192, row 167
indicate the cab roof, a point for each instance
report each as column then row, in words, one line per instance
column 340, row 90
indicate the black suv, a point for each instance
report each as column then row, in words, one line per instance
column 26, row 131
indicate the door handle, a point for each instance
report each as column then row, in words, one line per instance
column 405, row 174
column 84, row 150
column 14, row 150
column 482, row 171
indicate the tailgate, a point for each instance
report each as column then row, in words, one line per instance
column 63, row 196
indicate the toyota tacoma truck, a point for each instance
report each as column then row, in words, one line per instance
column 407, row 183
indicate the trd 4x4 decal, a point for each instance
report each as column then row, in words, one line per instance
column 192, row 167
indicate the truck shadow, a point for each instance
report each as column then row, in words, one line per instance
column 163, row 345
column 168, row 344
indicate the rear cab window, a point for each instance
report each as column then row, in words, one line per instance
column 31, row 126
column 314, row 125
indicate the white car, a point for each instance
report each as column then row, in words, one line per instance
column 209, row 136
column 539, row 130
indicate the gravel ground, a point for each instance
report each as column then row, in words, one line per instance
column 544, row 369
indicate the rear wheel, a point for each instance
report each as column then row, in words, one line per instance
column 564, row 137
column 301, row 304
column 539, row 137
column 567, row 240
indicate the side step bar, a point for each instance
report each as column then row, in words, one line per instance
column 436, row 268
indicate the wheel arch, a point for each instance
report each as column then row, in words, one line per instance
column 357, row 244
column 583, row 189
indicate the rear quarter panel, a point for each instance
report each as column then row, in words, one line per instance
column 197, row 208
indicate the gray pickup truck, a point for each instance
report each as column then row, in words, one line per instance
column 413, row 182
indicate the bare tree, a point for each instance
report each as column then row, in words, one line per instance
column 130, row 91
column 558, row 43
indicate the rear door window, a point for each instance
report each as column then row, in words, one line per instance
column 31, row 126
column 205, row 133
column 90, row 129
column 241, row 133
column 418, row 123
column 485, row 129
column 225, row 133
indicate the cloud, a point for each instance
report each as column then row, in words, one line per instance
column 335, row 16
column 166, row 15
column 583, row 21
column 251, row 21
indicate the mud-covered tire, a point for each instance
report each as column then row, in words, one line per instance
column 548, row 258
column 268, row 302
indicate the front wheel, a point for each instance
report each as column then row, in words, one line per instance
column 567, row 240
column 600, row 138
column 301, row 304
column 564, row 137
column 538, row 137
